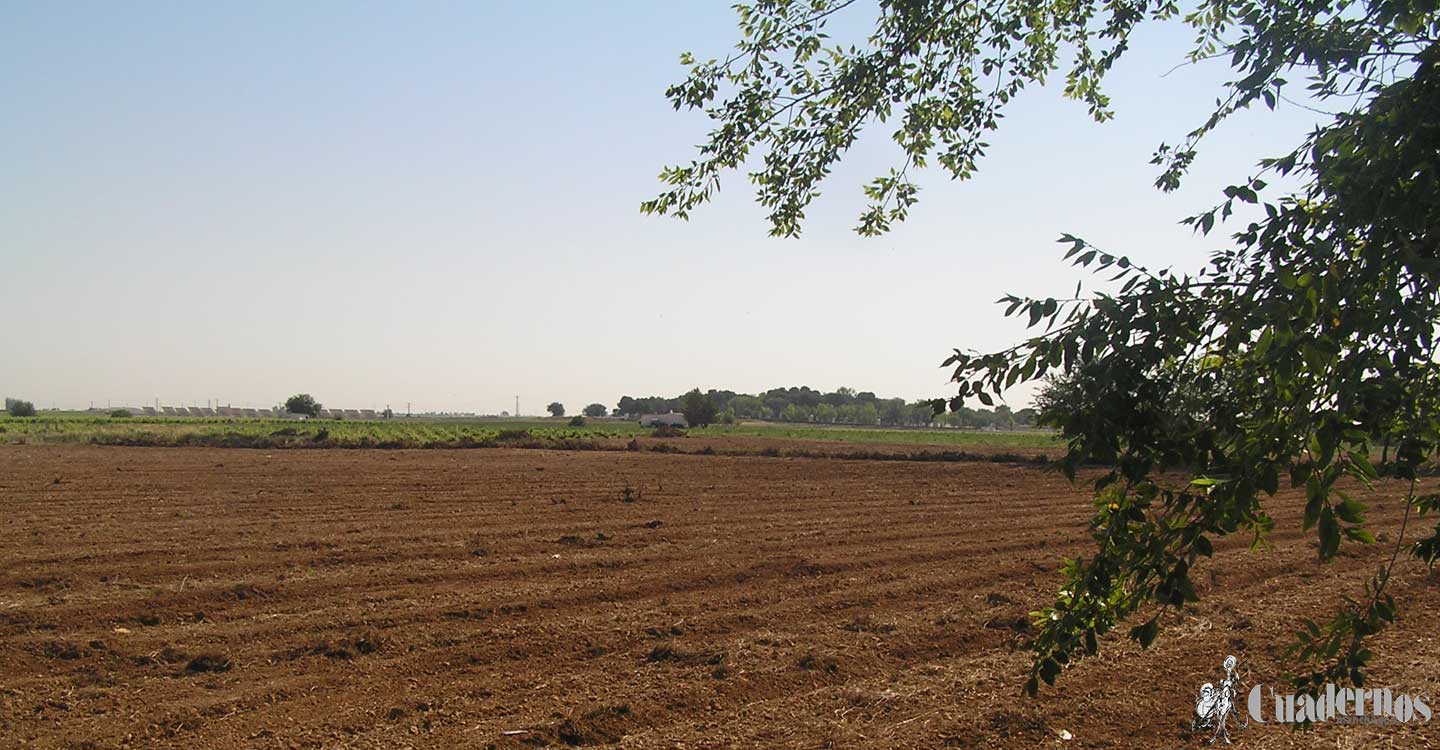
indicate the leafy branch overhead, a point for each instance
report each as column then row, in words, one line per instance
column 938, row 73
column 1302, row 348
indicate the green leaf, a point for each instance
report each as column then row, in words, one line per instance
column 1329, row 534
column 1049, row 670
column 1359, row 535
column 1146, row 633
column 1350, row 510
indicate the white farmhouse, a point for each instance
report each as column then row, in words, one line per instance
column 669, row 420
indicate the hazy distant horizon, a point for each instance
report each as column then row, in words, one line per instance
column 388, row 203
column 400, row 407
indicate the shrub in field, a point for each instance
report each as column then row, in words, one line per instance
column 19, row 408
column 303, row 403
column 577, row 421
column 119, row 414
column 699, row 408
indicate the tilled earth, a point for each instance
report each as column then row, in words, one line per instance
column 211, row 598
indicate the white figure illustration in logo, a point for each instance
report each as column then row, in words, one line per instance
column 1216, row 706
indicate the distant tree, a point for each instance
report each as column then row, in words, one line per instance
column 19, row 408
column 746, row 406
column 658, row 405
column 892, row 411
column 920, row 413
column 805, row 404
column 699, row 408
column 595, row 410
column 556, row 409
column 722, row 399
column 1058, row 398
column 578, row 421
column 795, row 413
column 727, row 416
column 849, row 414
column 775, row 406
column 303, row 403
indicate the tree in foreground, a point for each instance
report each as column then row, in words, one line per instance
column 303, row 403
column 699, row 409
column 1311, row 332
column 556, row 409
column 595, row 410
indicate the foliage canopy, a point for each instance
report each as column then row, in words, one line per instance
column 1311, row 333
column 699, row 409
column 303, row 403
column 19, row 408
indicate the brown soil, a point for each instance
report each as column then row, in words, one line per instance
column 187, row 598
column 770, row 447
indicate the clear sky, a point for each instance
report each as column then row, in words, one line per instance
column 437, row 202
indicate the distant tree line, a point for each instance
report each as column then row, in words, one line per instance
column 841, row 406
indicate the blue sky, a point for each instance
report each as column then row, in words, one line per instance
column 438, row 203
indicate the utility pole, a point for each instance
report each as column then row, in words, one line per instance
column 517, row 406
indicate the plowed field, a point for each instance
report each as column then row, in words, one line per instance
column 212, row 598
